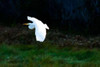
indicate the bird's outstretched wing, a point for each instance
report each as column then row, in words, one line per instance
column 40, row 35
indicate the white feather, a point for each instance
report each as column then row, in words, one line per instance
column 40, row 28
column 31, row 26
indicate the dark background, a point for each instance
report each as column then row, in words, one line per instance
column 68, row 15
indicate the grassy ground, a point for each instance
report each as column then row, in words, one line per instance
column 47, row 55
column 18, row 48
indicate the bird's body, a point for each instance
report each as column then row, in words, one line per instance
column 40, row 28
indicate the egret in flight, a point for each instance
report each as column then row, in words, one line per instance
column 40, row 28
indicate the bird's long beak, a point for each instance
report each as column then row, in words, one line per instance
column 25, row 24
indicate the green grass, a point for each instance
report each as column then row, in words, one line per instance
column 47, row 55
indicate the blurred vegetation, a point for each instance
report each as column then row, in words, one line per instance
column 22, row 35
column 47, row 55
column 18, row 48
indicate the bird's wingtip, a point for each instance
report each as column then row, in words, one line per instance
column 46, row 26
column 28, row 16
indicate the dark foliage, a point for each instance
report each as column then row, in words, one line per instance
column 73, row 15
column 20, row 35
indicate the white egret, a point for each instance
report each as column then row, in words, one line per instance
column 40, row 28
